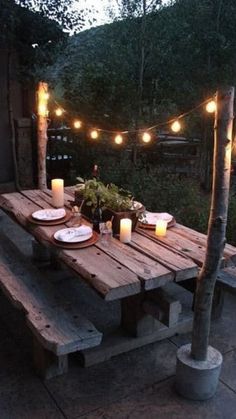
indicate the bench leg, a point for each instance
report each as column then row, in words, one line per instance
column 46, row 363
column 133, row 318
column 40, row 253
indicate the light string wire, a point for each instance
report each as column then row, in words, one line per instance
column 143, row 130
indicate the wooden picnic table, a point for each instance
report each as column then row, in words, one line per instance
column 143, row 274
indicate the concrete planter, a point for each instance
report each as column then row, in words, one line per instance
column 197, row 380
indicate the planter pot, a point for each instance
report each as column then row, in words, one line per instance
column 109, row 214
column 133, row 215
column 197, row 380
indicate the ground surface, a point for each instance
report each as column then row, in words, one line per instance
column 139, row 384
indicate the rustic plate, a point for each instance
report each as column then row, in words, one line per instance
column 49, row 214
column 74, row 246
column 51, row 223
column 70, row 234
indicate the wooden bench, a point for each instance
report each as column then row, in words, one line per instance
column 58, row 328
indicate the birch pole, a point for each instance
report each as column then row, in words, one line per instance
column 42, row 114
column 217, row 222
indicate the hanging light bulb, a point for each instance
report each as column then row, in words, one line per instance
column 211, row 106
column 77, row 124
column 59, row 112
column 94, row 134
column 146, row 137
column 118, row 139
column 176, row 126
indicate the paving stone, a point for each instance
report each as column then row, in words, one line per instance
column 222, row 337
column 162, row 402
column 26, row 398
column 82, row 390
column 228, row 373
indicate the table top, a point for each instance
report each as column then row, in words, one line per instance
column 120, row 270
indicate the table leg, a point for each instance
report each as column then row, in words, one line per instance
column 133, row 318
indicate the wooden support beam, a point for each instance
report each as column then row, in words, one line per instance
column 47, row 364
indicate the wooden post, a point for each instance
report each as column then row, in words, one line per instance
column 42, row 113
column 217, row 223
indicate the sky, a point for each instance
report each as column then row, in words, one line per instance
column 100, row 11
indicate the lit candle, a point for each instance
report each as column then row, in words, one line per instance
column 125, row 230
column 161, row 227
column 58, row 193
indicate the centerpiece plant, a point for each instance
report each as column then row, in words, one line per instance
column 115, row 202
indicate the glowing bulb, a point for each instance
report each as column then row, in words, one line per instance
column 59, row 112
column 175, row 126
column 94, row 134
column 118, row 139
column 146, row 137
column 77, row 124
column 211, row 106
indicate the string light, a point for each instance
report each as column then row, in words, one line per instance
column 77, row 124
column 59, row 112
column 211, row 106
column 94, row 134
column 146, row 137
column 118, row 139
column 176, row 126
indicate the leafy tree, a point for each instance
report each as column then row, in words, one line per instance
column 69, row 17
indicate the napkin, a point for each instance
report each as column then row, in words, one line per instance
column 67, row 235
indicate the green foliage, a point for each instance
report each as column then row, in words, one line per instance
column 190, row 50
column 111, row 196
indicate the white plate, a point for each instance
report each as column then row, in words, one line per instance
column 49, row 214
column 74, row 234
column 152, row 217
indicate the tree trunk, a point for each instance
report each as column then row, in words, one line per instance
column 217, row 223
column 42, row 113
column 11, row 120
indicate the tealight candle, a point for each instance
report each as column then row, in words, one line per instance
column 58, row 193
column 161, row 227
column 125, row 230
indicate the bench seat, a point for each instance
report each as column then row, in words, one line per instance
column 58, row 329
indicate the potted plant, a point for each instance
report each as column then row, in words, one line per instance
column 116, row 203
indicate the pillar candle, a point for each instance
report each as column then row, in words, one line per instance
column 58, row 193
column 161, row 227
column 125, row 230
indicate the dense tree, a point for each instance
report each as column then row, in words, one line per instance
column 69, row 17
column 189, row 52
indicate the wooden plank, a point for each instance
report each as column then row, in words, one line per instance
column 182, row 267
column 107, row 276
column 58, row 329
column 151, row 273
column 118, row 343
column 181, row 245
column 201, row 239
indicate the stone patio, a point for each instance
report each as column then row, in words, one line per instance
column 139, row 384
